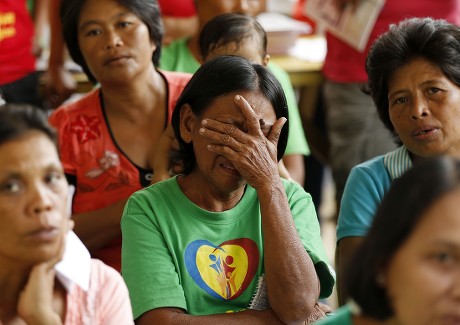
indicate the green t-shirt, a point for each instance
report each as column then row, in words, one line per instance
column 175, row 254
column 177, row 57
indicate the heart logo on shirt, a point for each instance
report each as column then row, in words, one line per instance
column 223, row 271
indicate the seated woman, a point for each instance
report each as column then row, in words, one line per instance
column 109, row 138
column 406, row 270
column 414, row 80
column 195, row 246
column 35, row 232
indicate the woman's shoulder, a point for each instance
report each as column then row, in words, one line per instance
column 105, row 299
column 163, row 188
column 87, row 103
column 382, row 169
column 292, row 186
column 176, row 78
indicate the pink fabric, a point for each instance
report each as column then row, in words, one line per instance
column 105, row 302
column 345, row 65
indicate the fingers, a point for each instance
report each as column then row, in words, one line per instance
column 275, row 131
column 251, row 118
column 230, row 136
column 226, row 134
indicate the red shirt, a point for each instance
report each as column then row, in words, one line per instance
column 177, row 8
column 103, row 173
column 16, row 36
column 346, row 65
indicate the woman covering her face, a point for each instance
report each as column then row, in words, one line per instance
column 198, row 247
column 34, row 232
column 184, row 55
column 407, row 269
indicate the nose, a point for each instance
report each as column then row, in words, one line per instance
column 40, row 200
column 420, row 108
column 112, row 40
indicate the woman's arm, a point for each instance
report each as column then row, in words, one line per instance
column 40, row 17
column 173, row 316
column 293, row 286
column 97, row 228
column 59, row 83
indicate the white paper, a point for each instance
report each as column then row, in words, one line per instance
column 282, row 31
column 353, row 27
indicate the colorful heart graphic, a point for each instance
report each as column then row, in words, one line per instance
column 223, row 271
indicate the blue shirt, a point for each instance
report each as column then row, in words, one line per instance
column 366, row 185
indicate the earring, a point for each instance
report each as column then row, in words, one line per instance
column 186, row 138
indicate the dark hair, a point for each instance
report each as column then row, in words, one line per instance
column 435, row 40
column 400, row 212
column 231, row 28
column 18, row 119
column 148, row 12
column 221, row 76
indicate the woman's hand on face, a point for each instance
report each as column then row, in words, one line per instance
column 252, row 153
column 35, row 305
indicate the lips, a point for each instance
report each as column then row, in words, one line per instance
column 229, row 167
column 115, row 58
column 44, row 234
column 424, row 131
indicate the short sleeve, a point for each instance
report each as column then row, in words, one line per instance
column 112, row 298
column 147, row 265
column 366, row 185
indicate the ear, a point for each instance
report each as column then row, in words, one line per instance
column 265, row 60
column 187, row 123
column 71, row 224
